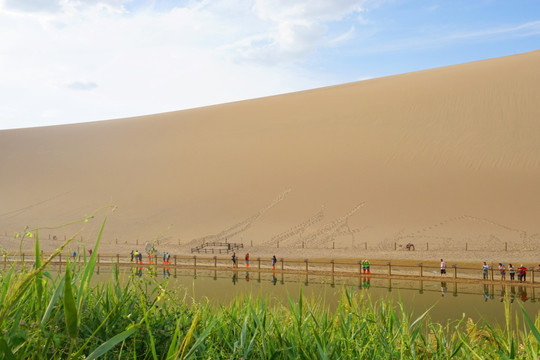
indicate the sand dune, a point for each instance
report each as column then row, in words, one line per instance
column 447, row 156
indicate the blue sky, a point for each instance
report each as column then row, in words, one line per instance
column 70, row 61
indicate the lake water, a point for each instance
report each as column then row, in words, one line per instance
column 450, row 299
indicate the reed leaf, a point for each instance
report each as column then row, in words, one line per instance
column 70, row 309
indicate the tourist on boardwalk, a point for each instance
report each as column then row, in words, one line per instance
column 502, row 271
column 164, row 257
column 522, row 273
column 485, row 269
column 233, row 258
column 511, row 271
column 90, row 252
column 274, row 260
column 443, row 267
column 168, row 258
column 368, row 267
column 247, row 259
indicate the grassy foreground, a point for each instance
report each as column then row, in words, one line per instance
column 65, row 317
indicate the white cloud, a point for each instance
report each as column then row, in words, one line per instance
column 82, row 85
column 148, row 61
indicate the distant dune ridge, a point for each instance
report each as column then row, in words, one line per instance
column 447, row 156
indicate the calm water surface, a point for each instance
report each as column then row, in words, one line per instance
column 450, row 300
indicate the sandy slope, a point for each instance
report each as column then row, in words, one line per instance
column 448, row 156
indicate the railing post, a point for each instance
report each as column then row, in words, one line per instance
column 175, row 261
column 97, row 258
column 332, row 262
column 359, row 267
column 215, row 261
column 60, row 257
column 195, row 261
column 118, row 258
column 259, row 260
column 532, row 274
column 421, row 270
column 491, row 268
column 22, row 257
column 455, row 270
column 281, row 264
column 306, row 261
column 389, row 268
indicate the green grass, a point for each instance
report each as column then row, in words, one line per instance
column 64, row 317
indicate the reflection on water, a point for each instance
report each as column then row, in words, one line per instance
column 450, row 300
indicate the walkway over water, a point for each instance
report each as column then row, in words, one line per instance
column 342, row 267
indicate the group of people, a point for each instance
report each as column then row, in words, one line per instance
column 366, row 267
column 136, row 255
column 521, row 272
column 166, row 258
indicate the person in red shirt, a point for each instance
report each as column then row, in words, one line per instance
column 522, row 272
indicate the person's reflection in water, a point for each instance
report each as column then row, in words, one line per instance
column 247, row 276
column 234, row 278
column 139, row 272
column 274, row 279
column 486, row 292
column 443, row 288
column 523, row 293
column 166, row 273
column 512, row 293
column 366, row 283
column 503, row 293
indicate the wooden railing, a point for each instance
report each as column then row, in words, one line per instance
column 339, row 267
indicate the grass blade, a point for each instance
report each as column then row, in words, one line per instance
column 70, row 309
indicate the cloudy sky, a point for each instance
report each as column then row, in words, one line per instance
column 69, row 61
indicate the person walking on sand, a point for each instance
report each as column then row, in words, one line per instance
column 443, row 267
column 247, row 260
column 511, row 271
column 233, row 258
column 274, row 260
column 502, row 271
column 485, row 268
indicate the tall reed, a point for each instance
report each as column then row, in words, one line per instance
column 64, row 316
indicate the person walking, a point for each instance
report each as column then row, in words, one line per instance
column 233, row 258
column 485, row 268
column 443, row 267
column 247, row 260
column 511, row 271
column 274, row 260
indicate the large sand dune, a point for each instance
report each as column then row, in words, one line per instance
column 446, row 156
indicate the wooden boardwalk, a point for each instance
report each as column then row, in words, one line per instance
column 306, row 266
